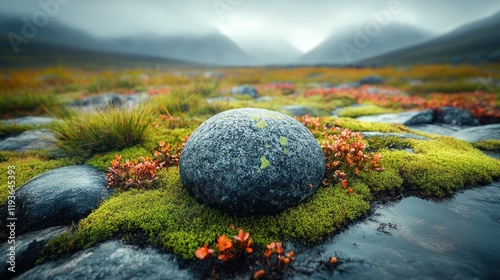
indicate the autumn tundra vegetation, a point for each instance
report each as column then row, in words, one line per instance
column 139, row 148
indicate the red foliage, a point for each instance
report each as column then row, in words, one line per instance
column 131, row 174
column 479, row 104
column 344, row 151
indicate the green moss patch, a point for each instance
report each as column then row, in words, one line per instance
column 354, row 112
column 173, row 219
column 488, row 145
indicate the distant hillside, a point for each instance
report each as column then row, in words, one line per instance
column 40, row 54
column 391, row 37
column 474, row 42
column 214, row 48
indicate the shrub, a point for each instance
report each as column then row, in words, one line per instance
column 132, row 174
column 103, row 131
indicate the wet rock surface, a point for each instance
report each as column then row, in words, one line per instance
column 414, row 239
column 58, row 197
column 30, row 140
column 27, row 249
column 455, row 238
column 244, row 90
column 109, row 100
column 29, row 120
column 455, row 116
column 479, row 133
column 400, row 135
column 112, row 260
column 406, row 118
column 251, row 162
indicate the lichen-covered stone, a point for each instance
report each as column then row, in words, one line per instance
column 251, row 162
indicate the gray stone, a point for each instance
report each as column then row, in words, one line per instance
column 371, row 80
column 30, row 140
column 479, row 133
column 251, row 162
column 59, row 197
column 300, row 110
column 112, row 260
column 101, row 101
column 440, row 129
column 244, row 90
column 27, row 249
column 455, row 116
column 29, row 120
column 406, row 118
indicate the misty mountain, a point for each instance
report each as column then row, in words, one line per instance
column 273, row 51
column 213, row 48
column 475, row 42
column 355, row 44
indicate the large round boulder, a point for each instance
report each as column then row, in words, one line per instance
column 251, row 162
column 58, row 197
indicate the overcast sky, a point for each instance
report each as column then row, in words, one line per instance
column 304, row 24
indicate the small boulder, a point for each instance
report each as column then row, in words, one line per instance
column 30, row 140
column 244, row 90
column 406, row 118
column 371, row 80
column 29, row 120
column 59, row 197
column 251, row 162
column 455, row 116
column 479, row 133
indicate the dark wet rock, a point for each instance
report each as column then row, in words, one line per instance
column 300, row 110
column 455, row 116
column 369, row 134
column 29, row 120
column 27, row 249
column 101, row 101
column 371, row 80
column 110, row 100
column 112, row 260
column 440, row 129
column 451, row 239
column 59, row 197
column 244, row 90
column 479, row 133
column 406, row 118
column 30, row 140
column 251, row 161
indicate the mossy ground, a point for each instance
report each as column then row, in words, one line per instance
column 171, row 218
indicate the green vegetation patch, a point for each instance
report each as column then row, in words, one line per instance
column 28, row 165
column 488, row 145
column 354, row 112
column 21, row 103
column 7, row 130
column 103, row 131
column 173, row 219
